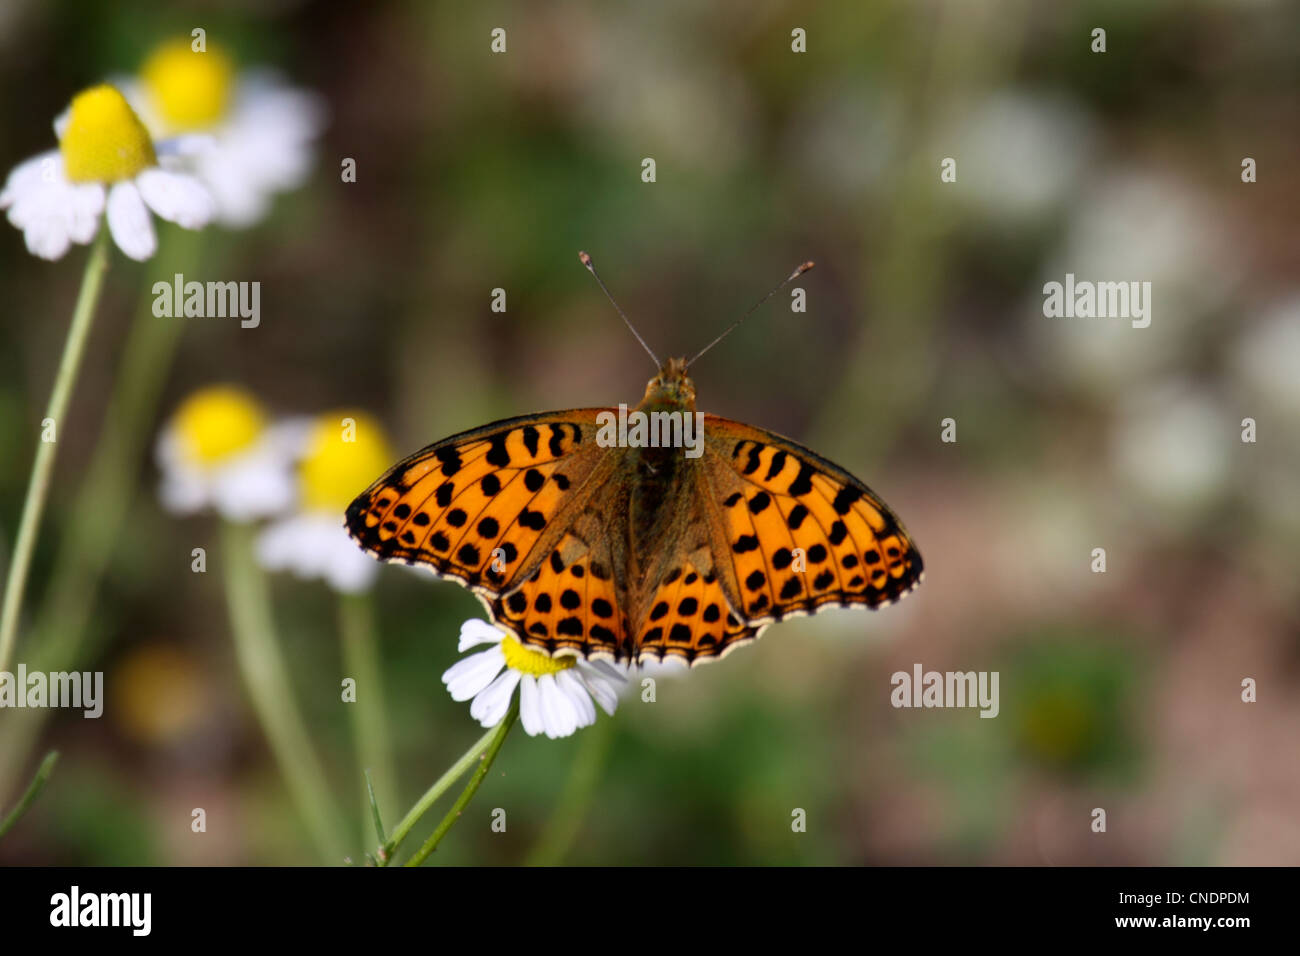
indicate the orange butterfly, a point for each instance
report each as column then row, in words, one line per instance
column 617, row 549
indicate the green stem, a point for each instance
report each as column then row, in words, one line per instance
column 361, row 663
column 380, row 835
column 563, row 826
column 38, row 487
column 42, row 774
column 471, row 788
column 440, row 786
column 266, row 679
column 92, row 531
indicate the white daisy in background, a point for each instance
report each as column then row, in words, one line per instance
column 555, row 693
column 217, row 451
column 1169, row 446
column 342, row 452
column 261, row 129
column 106, row 165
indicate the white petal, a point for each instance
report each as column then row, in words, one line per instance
column 256, row 484
column 184, row 488
column 530, row 707
column 30, row 174
column 470, row 676
column 176, row 197
column 476, row 631
column 602, row 688
column 51, row 211
column 240, row 200
column 183, row 492
column 616, row 674
column 349, row 569
column 191, row 144
column 129, row 222
column 315, row 545
column 573, row 688
column 557, row 711
column 167, row 450
column 86, row 207
column 288, row 436
column 47, row 236
column 492, row 703
column 279, row 543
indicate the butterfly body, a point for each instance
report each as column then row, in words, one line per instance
column 628, row 551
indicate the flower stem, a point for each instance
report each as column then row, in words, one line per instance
column 38, row 486
column 42, row 774
column 440, row 786
column 60, row 629
column 471, row 788
column 361, row 663
column 267, row 682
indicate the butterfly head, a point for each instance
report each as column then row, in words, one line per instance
column 672, row 387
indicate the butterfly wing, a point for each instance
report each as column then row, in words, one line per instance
column 512, row 511
column 790, row 533
column 532, row 515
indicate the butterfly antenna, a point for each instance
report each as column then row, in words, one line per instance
column 788, row 279
column 586, row 261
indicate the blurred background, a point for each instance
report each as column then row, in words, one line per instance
column 474, row 170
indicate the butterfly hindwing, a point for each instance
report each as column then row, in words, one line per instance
column 480, row 507
column 570, row 603
column 690, row 617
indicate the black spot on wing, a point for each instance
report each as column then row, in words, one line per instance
column 497, row 454
column 531, row 440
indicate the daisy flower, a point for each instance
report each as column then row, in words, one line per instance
column 217, row 451
column 261, row 130
column 555, row 693
column 341, row 454
column 106, row 165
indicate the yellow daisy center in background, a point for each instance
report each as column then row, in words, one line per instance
column 345, row 452
column 104, row 140
column 528, row 661
column 216, row 423
column 190, row 90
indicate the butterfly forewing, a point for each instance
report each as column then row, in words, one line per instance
column 803, row 532
column 483, row 506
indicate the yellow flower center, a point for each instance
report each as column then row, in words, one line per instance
column 104, row 140
column 219, row 422
column 190, row 90
column 346, row 451
column 528, row 661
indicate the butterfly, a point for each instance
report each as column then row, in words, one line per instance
column 628, row 552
